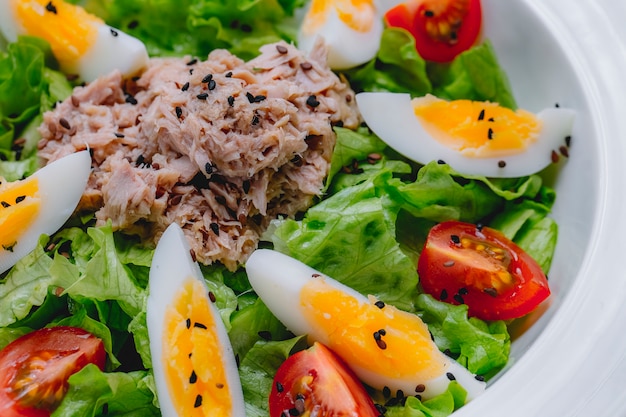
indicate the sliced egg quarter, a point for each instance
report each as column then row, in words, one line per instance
column 193, row 362
column 39, row 204
column 384, row 346
column 473, row 137
column 351, row 30
column 81, row 42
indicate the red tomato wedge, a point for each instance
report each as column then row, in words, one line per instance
column 34, row 369
column 478, row 266
column 318, row 379
column 442, row 28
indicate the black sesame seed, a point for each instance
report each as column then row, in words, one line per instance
column 63, row 122
column 479, row 227
column 185, row 86
column 568, row 141
column 450, row 376
column 199, row 325
column 557, row 105
column 133, row 24
column 114, row 33
column 193, row 378
column 564, row 151
column 501, row 164
column 282, row 49
column 312, row 101
column 490, row 134
column 458, row 298
column 491, row 291
column 212, row 85
column 5, row 204
column 215, row 228
column 119, row 135
column 443, row 295
column 140, row 160
column 19, row 199
column 382, row 332
column 491, row 119
column 250, row 97
column 455, row 239
column 231, row 101
column 259, row 98
column 228, row 74
column 130, row 99
column 246, row 28
column 198, row 402
column 386, row 391
column 376, row 336
column 429, row 13
column 441, row 162
column 294, row 412
column 179, row 112
column 246, row 186
column 208, row 168
column 255, row 120
column 481, row 116
column 380, row 408
column 463, row 291
column 194, row 61
column 479, row 378
column 202, row 96
column 279, row 387
column 51, row 7
column 188, row 323
column 381, row 344
column 207, row 78
column 379, row 304
column 212, row 296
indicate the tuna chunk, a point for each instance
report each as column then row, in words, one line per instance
column 220, row 147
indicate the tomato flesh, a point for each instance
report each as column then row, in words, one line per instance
column 442, row 28
column 34, row 369
column 478, row 266
column 316, row 381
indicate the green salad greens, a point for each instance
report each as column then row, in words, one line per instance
column 367, row 230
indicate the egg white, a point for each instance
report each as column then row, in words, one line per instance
column 172, row 264
column 347, row 48
column 112, row 49
column 279, row 279
column 61, row 185
column 390, row 116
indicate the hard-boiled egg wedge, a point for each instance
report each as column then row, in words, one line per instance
column 351, row 29
column 39, row 204
column 384, row 346
column 193, row 362
column 473, row 137
column 82, row 43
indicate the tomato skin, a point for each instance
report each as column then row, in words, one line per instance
column 318, row 378
column 480, row 267
column 424, row 19
column 40, row 363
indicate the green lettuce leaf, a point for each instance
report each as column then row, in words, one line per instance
column 257, row 372
column 195, row 27
column 481, row 347
column 440, row 406
column 94, row 393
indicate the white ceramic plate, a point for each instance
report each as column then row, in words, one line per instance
column 571, row 361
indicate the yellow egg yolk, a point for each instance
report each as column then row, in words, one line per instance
column 19, row 205
column 69, row 29
column 192, row 355
column 475, row 128
column 358, row 15
column 385, row 341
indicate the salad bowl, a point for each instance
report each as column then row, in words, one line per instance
column 567, row 360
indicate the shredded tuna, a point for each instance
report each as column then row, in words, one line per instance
column 220, row 147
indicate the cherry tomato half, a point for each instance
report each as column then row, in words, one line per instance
column 318, row 379
column 34, row 369
column 442, row 28
column 480, row 267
